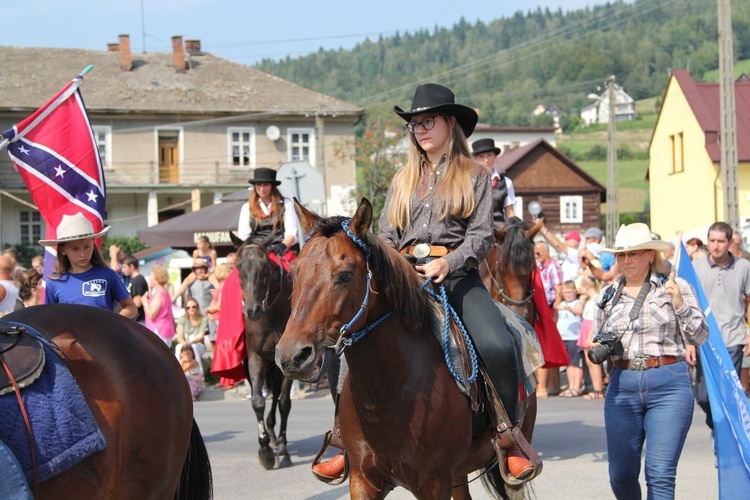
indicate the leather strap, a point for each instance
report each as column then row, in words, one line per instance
column 435, row 250
column 646, row 363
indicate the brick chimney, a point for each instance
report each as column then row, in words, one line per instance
column 178, row 54
column 126, row 58
column 193, row 47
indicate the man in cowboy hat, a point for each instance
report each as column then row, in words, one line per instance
column 503, row 194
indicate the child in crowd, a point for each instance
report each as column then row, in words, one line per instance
column 589, row 292
column 81, row 275
column 212, row 311
column 569, row 313
column 205, row 251
column 192, row 370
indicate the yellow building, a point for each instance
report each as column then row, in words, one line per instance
column 686, row 190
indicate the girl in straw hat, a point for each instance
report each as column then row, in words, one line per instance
column 81, row 275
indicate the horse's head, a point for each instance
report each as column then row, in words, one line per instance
column 330, row 281
column 254, row 268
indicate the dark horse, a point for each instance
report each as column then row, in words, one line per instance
column 507, row 270
column 266, row 295
column 138, row 395
column 403, row 419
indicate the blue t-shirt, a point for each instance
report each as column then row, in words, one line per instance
column 607, row 260
column 99, row 287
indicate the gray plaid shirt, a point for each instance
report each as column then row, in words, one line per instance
column 471, row 237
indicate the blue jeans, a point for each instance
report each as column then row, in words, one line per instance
column 13, row 484
column 655, row 405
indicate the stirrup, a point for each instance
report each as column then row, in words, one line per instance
column 504, row 438
column 316, row 461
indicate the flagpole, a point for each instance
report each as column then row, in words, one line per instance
column 72, row 89
column 678, row 257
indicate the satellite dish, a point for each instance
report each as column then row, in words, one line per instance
column 273, row 133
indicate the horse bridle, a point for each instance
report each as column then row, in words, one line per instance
column 343, row 342
column 264, row 305
column 507, row 300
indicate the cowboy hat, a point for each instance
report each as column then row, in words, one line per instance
column 73, row 227
column 263, row 175
column 484, row 145
column 636, row 236
column 434, row 98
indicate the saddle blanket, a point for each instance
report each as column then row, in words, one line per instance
column 64, row 429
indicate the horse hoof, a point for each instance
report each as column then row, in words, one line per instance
column 285, row 461
column 266, row 457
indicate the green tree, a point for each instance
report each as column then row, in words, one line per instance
column 378, row 153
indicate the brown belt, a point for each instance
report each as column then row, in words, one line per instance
column 423, row 250
column 640, row 364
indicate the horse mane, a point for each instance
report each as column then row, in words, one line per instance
column 516, row 251
column 399, row 284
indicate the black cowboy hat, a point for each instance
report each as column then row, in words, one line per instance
column 484, row 145
column 264, row 175
column 434, row 98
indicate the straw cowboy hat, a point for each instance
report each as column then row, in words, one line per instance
column 636, row 236
column 484, row 145
column 434, row 98
column 73, row 227
column 263, row 175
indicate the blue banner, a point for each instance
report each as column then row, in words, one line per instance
column 728, row 402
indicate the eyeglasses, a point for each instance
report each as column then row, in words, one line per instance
column 191, row 307
column 630, row 255
column 427, row 124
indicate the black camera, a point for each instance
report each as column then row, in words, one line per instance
column 607, row 344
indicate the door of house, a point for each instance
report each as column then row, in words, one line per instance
column 169, row 160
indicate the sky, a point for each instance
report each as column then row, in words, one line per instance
column 244, row 31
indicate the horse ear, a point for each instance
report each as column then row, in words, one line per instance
column 236, row 241
column 307, row 218
column 362, row 219
column 531, row 232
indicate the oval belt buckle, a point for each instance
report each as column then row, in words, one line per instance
column 421, row 251
column 638, row 364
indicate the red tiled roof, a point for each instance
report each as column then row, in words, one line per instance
column 704, row 100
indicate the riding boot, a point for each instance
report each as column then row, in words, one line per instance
column 335, row 470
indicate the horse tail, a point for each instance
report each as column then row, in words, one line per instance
column 493, row 481
column 196, row 480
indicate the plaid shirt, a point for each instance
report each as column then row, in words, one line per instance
column 551, row 273
column 659, row 329
column 471, row 237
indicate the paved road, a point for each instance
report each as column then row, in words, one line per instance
column 569, row 436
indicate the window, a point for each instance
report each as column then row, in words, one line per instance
column 571, row 209
column 103, row 140
column 678, row 153
column 302, row 145
column 31, row 227
column 241, row 147
column 518, row 207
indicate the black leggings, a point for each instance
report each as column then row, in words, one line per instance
column 488, row 330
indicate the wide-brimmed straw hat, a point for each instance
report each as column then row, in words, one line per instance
column 262, row 175
column 434, row 98
column 73, row 227
column 636, row 236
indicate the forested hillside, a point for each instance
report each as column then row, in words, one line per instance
column 506, row 66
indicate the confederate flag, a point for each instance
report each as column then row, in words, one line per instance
column 55, row 152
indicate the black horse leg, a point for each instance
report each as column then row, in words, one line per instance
column 257, row 370
column 285, row 406
column 273, row 382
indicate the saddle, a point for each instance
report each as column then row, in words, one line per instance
column 22, row 357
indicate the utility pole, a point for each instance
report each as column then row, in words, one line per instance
column 320, row 157
column 728, row 135
column 613, row 217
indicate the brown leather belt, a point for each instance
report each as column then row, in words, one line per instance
column 423, row 250
column 640, row 364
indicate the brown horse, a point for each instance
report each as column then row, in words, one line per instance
column 403, row 419
column 507, row 270
column 266, row 292
column 140, row 398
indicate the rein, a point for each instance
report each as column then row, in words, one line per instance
column 265, row 306
column 343, row 341
column 501, row 289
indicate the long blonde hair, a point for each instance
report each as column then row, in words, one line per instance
column 455, row 189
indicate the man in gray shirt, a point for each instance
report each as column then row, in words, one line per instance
column 726, row 282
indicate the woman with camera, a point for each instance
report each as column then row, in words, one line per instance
column 643, row 323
